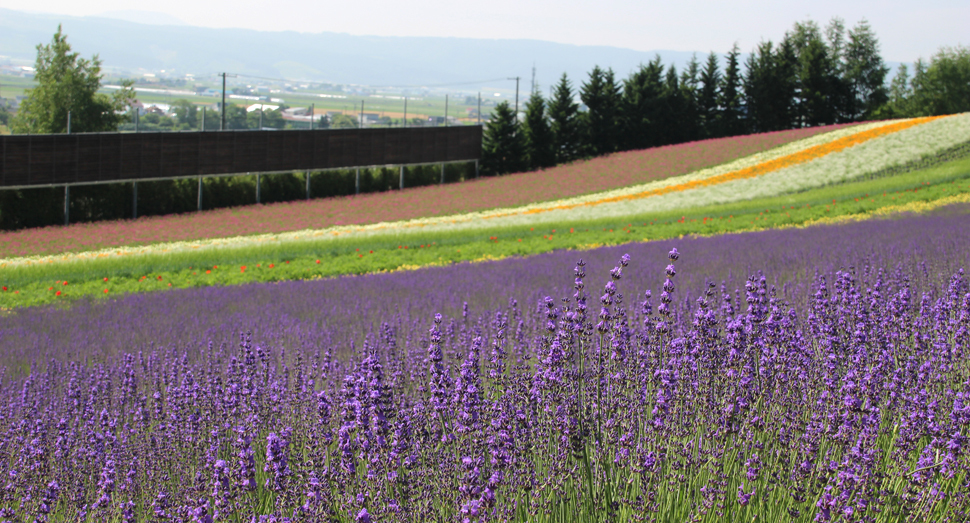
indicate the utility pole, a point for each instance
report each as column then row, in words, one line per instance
column 69, row 122
column 312, row 111
column 222, row 126
column 516, row 98
column 405, row 111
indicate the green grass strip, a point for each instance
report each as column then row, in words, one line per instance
column 313, row 259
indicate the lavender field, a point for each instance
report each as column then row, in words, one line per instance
column 800, row 375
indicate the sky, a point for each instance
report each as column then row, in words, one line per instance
column 907, row 30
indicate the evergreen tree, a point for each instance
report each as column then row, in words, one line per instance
column 689, row 120
column 707, row 102
column 502, row 148
column 865, row 73
column 564, row 113
column 537, row 135
column 835, row 39
column 731, row 98
column 601, row 95
column 817, row 98
column 757, row 87
column 802, row 34
column 835, row 42
column 818, row 85
column 641, row 106
column 67, row 83
column 900, row 92
column 943, row 86
column 770, row 84
column 785, row 85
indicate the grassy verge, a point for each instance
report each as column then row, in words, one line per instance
column 68, row 281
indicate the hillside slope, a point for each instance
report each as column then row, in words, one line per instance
column 600, row 174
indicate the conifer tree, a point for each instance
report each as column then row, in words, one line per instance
column 537, row 135
column 642, row 93
column 770, row 84
column 818, row 85
column 564, row 113
column 731, row 97
column 502, row 148
column 601, row 95
column 689, row 121
column 707, row 98
column 865, row 72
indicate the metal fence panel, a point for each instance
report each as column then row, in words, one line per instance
column 102, row 157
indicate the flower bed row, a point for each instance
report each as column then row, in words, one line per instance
column 618, row 170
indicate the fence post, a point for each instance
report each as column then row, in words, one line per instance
column 67, row 204
column 257, row 187
column 308, row 185
column 134, row 200
column 442, row 173
column 402, row 177
column 357, row 181
column 476, row 168
column 200, row 194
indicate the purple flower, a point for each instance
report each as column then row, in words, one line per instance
column 744, row 498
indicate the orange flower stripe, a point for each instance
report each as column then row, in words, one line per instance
column 812, row 153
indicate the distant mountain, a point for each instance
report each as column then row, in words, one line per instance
column 157, row 42
column 143, row 17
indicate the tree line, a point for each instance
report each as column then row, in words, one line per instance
column 814, row 76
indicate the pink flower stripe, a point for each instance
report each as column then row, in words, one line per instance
column 565, row 181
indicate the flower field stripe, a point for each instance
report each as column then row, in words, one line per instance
column 615, row 203
column 625, row 169
column 761, row 169
column 914, row 192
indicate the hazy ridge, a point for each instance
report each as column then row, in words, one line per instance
column 327, row 56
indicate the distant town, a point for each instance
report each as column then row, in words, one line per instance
column 171, row 100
